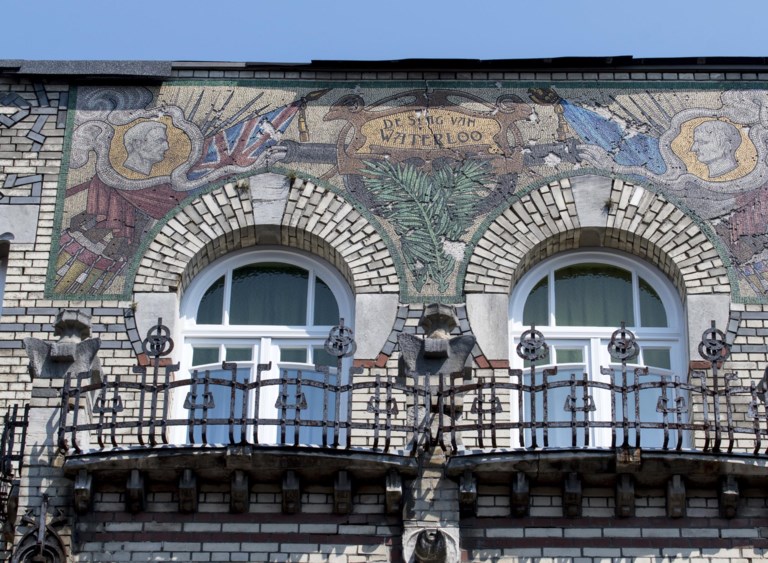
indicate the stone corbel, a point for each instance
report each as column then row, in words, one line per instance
column 676, row 497
column 291, row 493
column 342, row 493
column 74, row 352
column 520, row 495
column 437, row 352
column 239, row 492
column 572, row 495
column 625, row 496
column 188, row 491
column 135, row 492
column 729, row 496
column 394, row 492
column 83, row 495
column 468, row 493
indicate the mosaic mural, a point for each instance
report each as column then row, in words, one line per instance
column 425, row 164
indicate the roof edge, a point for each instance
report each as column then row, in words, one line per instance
column 165, row 69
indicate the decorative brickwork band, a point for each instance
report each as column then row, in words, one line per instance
column 591, row 211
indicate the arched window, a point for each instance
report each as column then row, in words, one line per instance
column 260, row 307
column 577, row 300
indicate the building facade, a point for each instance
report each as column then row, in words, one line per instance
column 413, row 311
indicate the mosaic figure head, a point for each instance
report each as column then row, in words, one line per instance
column 715, row 144
column 146, row 143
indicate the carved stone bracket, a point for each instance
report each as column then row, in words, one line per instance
column 729, row 496
column 188, row 491
column 74, row 352
column 468, row 493
column 436, row 359
column 239, row 492
column 342, row 493
column 291, row 493
column 572, row 495
column 520, row 496
column 676, row 497
column 625, row 496
column 83, row 496
column 135, row 492
column 438, row 352
column 394, row 492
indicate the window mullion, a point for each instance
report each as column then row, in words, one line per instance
column 551, row 303
column 265, row 352
column 636, row 298
column 310, row 298
column 227, row 296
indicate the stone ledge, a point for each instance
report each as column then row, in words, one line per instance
column 600, row 467
column 262, row 463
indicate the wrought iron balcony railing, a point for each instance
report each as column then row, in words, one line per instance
column 226, row 410
column 12, row 443
column 552, row 407
column 237, row 405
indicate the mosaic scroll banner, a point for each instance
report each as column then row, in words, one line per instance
column 427, row 164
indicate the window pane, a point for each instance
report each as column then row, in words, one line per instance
column 239, row 354
column 536, row 310
column 203, row 356
column 569, row 355
column 213, row 405
column 550, row 395
column 297, row 355
column 322, row 358
column 269, row 294
column 209, row 311
column 545, row 359
column 652, row 311
column 326, row 308
column 593, row 295
column 310, row 400
column 657, row 358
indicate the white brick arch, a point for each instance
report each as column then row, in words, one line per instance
column 596, row 212
column 229, row 218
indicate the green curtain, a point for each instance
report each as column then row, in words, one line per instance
column 209, row 312
column 593, row 295
column 326, row 308
column 536, row 311
column 652, row 311
column 269, row 294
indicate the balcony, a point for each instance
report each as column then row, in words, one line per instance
column 544, row 422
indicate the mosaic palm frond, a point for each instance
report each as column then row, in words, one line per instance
column 463, row 184
column 428, row 210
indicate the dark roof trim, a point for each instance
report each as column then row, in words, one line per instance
column 574, row 64
column 138, row 69
column 164, row 69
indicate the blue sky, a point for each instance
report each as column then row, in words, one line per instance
column 303, row 30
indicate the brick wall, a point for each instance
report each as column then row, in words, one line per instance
column 546, row 218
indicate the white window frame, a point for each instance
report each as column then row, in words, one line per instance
column 224, row 266
column 264, row 339
column 3, row 271
column 672, row 336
